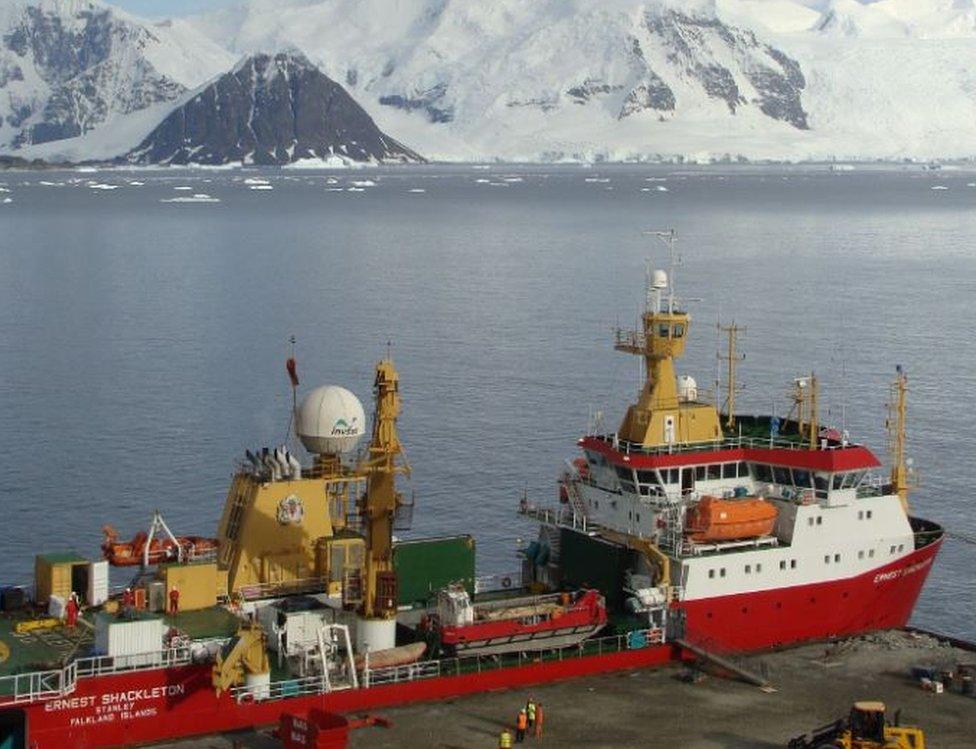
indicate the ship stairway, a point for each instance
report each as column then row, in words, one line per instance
column 552, row 537
column 352, row 587
column 673, row 536
column 575, row 497
column 727, row 663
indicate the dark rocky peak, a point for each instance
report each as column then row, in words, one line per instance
column 270, row 109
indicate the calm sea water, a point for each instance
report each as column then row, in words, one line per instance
column 142, row 341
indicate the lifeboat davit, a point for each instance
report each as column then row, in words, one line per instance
column 131, row 553
column 714, row 519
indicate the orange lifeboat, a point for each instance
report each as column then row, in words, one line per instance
column 714, row 519
column 130, row 553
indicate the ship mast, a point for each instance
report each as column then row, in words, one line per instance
column 660, row 418
column 732, row 358
column 896, row 424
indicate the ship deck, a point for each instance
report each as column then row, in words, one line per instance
column 815, row 684
column 52, row 648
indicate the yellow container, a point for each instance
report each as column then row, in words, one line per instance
column 197, row 584
column 53, row 575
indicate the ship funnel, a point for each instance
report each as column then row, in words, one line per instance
column 330, row 421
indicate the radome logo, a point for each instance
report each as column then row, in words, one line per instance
column 343, row 428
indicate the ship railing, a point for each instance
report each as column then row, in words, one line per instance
column 20, row 689
column 279, row 690
column 633, row 640
column 285, row 588
column 102, row 665
column 728, row 443
column 35, row 686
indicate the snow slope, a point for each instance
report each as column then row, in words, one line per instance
column 460, row 79
column 68, row 67
column 546, row 79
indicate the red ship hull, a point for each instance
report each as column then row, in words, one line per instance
column 880, row 599
column 167, row 704
column 152, row 706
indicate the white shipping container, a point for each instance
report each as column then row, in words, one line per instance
column 55, row 606
column 120, row 637
column 97, row 583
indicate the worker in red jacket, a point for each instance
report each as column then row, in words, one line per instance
column 174, row 601
column 71, row 609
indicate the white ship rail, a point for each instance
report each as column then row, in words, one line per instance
column 37, row 686
column 633, row 640
column 727, row 443
column 20, row 689
column 288, row 588
column 279, row 690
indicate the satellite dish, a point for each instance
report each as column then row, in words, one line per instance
column 330, row 421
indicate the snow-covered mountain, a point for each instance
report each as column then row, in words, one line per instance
column 270, row 109
column 68, row 67
column 622, row 79
column 529, row 79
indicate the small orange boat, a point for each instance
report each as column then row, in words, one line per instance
column 161, row 550
column 714, row 519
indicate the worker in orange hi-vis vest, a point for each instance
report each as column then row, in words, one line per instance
column 174, row 601
column 521, row 723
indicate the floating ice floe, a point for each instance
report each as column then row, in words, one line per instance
column 260, row 187
column 183, row 187
column 597, row 179
column 4, row 189
column 971, row 184
column 483, row 181
column 136, row 183
column 513, row 179
column 655, row 179
column 938, row 187
column 199, row 197
column 331, row 181
column 416, row 189
column 335, row 189
column 256, row 181
column 355, row 189
column 662, row 188
column 362, row 183
column 50, row 184
column 7, row 200
column 102, row 186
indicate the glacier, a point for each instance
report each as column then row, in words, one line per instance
column 540, row 80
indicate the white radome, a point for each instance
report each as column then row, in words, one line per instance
column 330, row 420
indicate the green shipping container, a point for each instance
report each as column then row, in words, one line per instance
column 587, row 561
column 426, row 565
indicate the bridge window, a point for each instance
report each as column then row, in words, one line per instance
column 837, row 557
column 699, row 473
column 860, row 554
column 801, row 478
column 729, row 471
column 871, row 553
column 721, row 572
column 711, row 573
column 758, row 568
column 782, row 475
column 782, row 564
column 714, row 472
column 762, row 472
column 743, row 470
column 664, row 330
column 792, row 564
column 679, row 330
column 869, row 513
column 819, row 519
column 748, row 569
